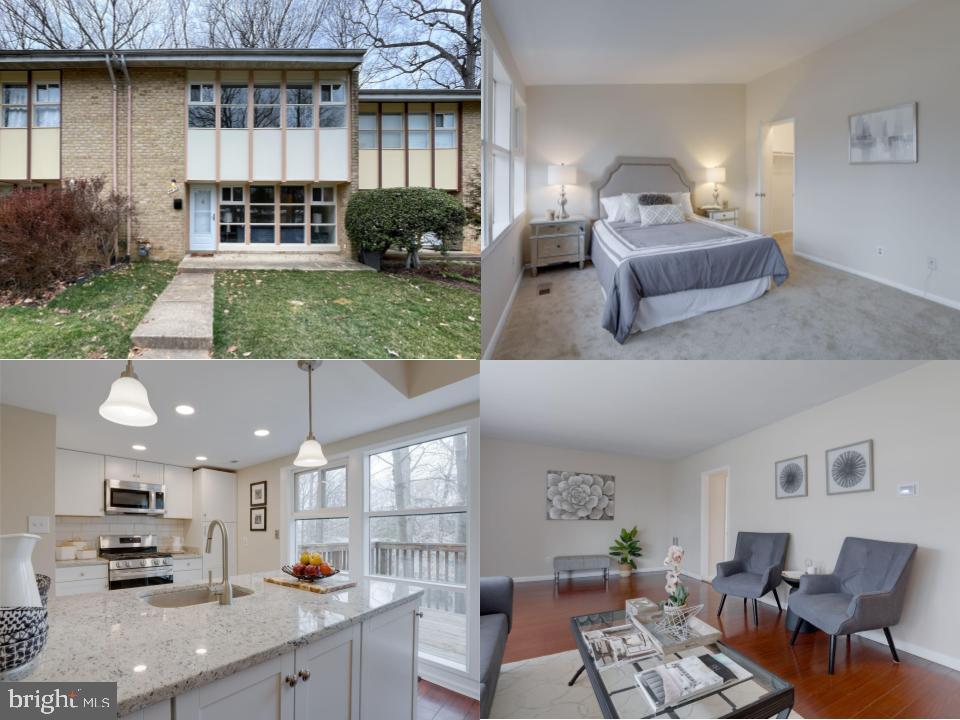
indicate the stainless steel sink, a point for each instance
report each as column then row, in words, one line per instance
column 190, row 596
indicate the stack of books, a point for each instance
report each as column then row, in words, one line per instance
column 689, row 678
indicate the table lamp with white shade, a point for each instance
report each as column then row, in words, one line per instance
column 562, row 175
column 716, row 175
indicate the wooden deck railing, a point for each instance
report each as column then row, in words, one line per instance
column 434, row 562
column 335, row 554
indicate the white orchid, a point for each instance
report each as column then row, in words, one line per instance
column 677, row 593
column 575, row 496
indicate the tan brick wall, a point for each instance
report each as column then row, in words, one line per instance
column 470, row 170
column 346, row 190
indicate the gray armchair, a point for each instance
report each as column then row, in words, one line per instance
column 755, row 569
column 496, row 618
column 865, row 591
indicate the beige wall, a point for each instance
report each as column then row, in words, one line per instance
column 588, row 126
column 264, row 551
column 516, row 538
column 913, row 421
column 28, row 443
column 844, row 211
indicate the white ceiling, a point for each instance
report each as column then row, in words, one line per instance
column 662, row 410
column 617, row 42
column 231, row 398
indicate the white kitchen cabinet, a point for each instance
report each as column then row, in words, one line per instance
column 80, row 587
column 328, row 674
column 179, row 498
column 388, row 665
column 187, row 576
column 158, row 711
column 217, row 493
column 213, row 561
column 150, row 472
column 78, row 483
column 80, row 579
column 116, row 468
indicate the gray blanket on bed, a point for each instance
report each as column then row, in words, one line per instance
column 627, row 280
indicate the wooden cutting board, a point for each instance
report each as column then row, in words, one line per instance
column 320, row 586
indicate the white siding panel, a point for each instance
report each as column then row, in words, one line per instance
column 201, row 154
column 300, row 154
column 234, row 155
column 334, row 161
column 266, row 154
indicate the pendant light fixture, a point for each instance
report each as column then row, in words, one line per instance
column 127, row 403
column 311, row 454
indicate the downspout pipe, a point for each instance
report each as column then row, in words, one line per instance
column 126, row 76
column 113, row 182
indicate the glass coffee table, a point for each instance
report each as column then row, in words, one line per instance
column 762, row 696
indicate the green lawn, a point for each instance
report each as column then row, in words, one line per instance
column 279, row 313
column 91, row 320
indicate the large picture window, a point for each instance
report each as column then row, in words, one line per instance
column 14, row 101
column 319, row 521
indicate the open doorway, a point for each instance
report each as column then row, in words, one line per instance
column 777, row 177
column 713, row 520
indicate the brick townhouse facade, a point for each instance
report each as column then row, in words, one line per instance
column 231, row 150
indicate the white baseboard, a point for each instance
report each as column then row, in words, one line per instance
column 955, row 304
column 501, row 323
column 449, row 680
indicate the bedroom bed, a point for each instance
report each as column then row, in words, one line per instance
column 653, row 275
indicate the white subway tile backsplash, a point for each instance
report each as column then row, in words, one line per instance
column 90, row 529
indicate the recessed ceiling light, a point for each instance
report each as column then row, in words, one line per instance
column 139, row 668
column 185, row 410
column 261, row 433
column 139, row 447
column 201, row 458
column 201, row 651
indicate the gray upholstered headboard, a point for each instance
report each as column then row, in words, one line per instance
column 638, row 175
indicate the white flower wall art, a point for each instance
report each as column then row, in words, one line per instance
column 579, row 496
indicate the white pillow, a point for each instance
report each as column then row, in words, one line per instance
column 683, row 200
column 661, row 214
column 630, row 202
column 613, row 208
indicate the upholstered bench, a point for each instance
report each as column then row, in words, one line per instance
column 572, row 563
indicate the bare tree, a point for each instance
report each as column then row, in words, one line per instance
column 79, row 24
column 262, row 23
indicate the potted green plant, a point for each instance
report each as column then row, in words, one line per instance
column 625, row 549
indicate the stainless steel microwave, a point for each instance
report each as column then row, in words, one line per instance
column 121, row 497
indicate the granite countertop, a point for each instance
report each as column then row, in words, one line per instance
column 80, row 563
column 156, row 653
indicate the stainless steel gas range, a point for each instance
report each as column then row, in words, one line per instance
column 135, row 562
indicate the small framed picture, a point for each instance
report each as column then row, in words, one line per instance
column 790, row 477
column 258, row 519
column 850, row 468
column 258, row 493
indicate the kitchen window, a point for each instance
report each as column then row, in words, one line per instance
column 368, row 131
column 14, row 101
column 201, row 107
column 299, row 106
column 262, row 214
column 233, row 106
column 445, row 130
column 333, row 105
column 232, row 211
column 266, row 106
column 46, row 105
column 418, row 131
column 416, row 526
column 292, row 214
column 323, row 216
column 319, row 524
column 391, row 131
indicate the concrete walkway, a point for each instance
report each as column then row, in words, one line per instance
column 268, row 261
column 180, row 323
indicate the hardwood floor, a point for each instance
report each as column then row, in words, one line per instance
column 867, row 684
column 437, row 703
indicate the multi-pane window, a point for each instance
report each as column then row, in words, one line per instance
column 292, row 214
column 299, row 106
column 262, row 213
column 503, row 162
column 14, row 101
column 323, row 216
column 445, row 130
column 391, row 131
column 233, row 106
column 232, row 209
column 201, row 103
column 46, row 105
column 368, row 131
column 319, row 501
column 333, row 105
column 266, row 106
column 418, row 131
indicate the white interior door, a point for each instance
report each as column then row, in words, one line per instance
column 764, row 173
column 203, row 218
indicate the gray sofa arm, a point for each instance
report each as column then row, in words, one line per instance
column 729, row 567
column 872, row 610
column 496, row 596
column 818, row 584
column 771, row 578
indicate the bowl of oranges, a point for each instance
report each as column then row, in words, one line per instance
column 310, row 568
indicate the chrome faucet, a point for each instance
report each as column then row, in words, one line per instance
column 226, row 592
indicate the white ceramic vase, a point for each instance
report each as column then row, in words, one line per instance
column 18, row 583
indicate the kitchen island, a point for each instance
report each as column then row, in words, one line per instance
column 276, row 653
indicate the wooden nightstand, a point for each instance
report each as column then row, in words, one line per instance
column 558, row 241
column 727, row 216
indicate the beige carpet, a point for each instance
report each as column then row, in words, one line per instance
column 537, row 688
column 819, row 313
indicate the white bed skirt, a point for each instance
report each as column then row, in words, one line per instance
column 665, row 309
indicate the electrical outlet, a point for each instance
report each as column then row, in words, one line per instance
column 932, row 263
column 879, row 249
column 38, row 524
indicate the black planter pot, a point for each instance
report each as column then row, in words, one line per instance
column 372, row 258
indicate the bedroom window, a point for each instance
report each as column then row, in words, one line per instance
column 333, row 105
column 368, row 131
column 14, row 105
column 418, row 131
column 202, row 110
column 46, row 105
column 445, row 130
column 499, row 164
column 233, row 106
column 266, row 106
column 299, row 106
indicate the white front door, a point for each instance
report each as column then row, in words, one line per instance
column 203, row 219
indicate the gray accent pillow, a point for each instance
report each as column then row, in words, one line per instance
column 655, row 199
